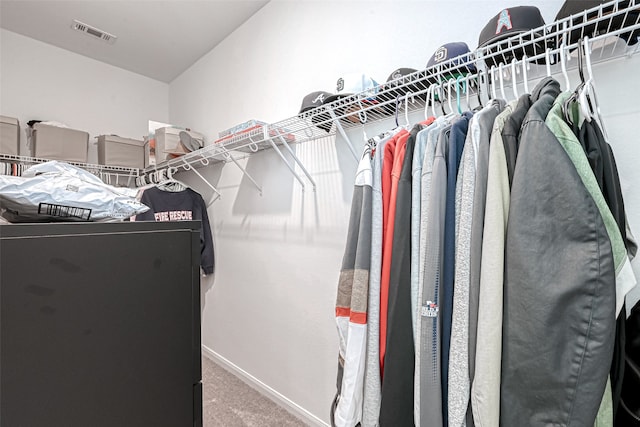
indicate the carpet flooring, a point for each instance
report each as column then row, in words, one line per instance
column 227, row 401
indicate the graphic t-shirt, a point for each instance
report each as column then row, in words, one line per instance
column 186, row 205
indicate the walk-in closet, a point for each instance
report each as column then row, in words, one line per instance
column 323, row 213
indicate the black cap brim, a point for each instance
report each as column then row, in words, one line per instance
column 622, row 20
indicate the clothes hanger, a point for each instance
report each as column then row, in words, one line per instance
column 567, row 109
column 468, row 91
column 492, row 71
column 525, row 77
column 426, row 102
column 396, row 112
column 406, row 109
column 449, row 84
column 514, row 80
column 433, row 100
column 458, row 106
column 501, row 81
column 168, row 182
column 480, row 77
column 362, row 116
column 563, row 65
column 592, row 88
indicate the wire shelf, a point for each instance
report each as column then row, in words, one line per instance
column 614, row 27
column 478, row 70
column 93, row 168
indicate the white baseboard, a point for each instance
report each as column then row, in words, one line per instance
column 264, row 389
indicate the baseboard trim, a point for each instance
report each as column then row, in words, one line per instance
column 264, row 389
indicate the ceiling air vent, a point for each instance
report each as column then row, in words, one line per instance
column 93, row 31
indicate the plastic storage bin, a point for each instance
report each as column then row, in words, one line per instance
column 57, row 143
column 114, row 150
column 9, row 135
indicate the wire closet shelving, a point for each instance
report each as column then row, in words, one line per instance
column 613, row 28
column 108, row 174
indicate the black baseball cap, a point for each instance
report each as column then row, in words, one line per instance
column 511, row 22
column 622, row 20
column 396, row 87
column 310, row 108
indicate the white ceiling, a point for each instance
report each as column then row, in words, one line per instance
column 158, row 39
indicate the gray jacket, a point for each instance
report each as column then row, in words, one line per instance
column 559, row 291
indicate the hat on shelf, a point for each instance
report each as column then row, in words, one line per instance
column 189, row 142
column 508, row 23
column 186, row 145
column 355, row 84
column 361, row 88
column 456, row 60
column 398, row 85
column 606, row 21
column 309, row 108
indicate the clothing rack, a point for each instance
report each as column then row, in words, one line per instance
column 540, row 52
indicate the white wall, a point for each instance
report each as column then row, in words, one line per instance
column 43, row 82
column 270, row 310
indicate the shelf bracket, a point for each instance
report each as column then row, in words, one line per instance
column 187, row 166
column 343, row 133
column 277, row 150
column 227, row 155
column 295, row 158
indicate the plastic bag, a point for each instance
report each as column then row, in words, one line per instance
column 58, row 191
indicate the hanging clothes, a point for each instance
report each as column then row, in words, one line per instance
column 430, row 368
column 603, row 165
column 629, row 412
column 568, row 280
column 454, row 149
column 185, row 205
column 511, row 130
column 397, row 387
column 481, row 127
column 458, row 378
column 422, row 342
column 351, row 301
column 498, row 256
column 372, row 382
column 625, row 279
column 392, row 165
column 416, row 188
column 485, row 391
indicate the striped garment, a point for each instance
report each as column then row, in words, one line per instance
column 351, row 304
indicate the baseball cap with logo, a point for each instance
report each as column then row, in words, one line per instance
column 396, row 87
column 355, row 84
column 458, row 58
column 621, row 20
column 309, row 108
column 510, row 22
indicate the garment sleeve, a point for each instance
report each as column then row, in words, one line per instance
column 207, row 256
